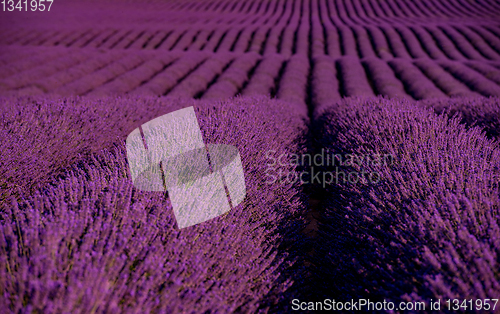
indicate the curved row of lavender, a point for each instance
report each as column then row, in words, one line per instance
column 195, row 74
column 431, row 49
column 415, row 214
column 77, row 237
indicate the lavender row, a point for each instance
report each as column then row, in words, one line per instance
column 293, row 83
column 483, row 45
column 280, row 20
column 104, row 75
column 462, row 43
column 199, row 79
column 355, row 11
column 232, row 80
column 395, row 42
column 135, row 77
column 415, row 82
column 42, row 71
column 354, row 81
column 55, row 81
column 288, row 36
column 471, row 78
column 415, row 49
column 302, row 33
column 324, row 82
column 445, row 81
column 488, row 71
column 91, row 242
column 41, row 135
column 24, row 64
column 473, row 111
column 317, row 40
column 332, row 44
column 364, row 46
column 380, row 43
column 415, row 216
column 263, row 79
column 167, row 79
column 383, row 78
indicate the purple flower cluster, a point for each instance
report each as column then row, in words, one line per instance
column 91, row 242
column 429, row 228
column 40, row 136
column 473, row 111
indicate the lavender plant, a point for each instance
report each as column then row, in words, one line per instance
column 473, row 111
column 90, row 242
column 428, row 227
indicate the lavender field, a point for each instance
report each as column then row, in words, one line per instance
column 414, row 84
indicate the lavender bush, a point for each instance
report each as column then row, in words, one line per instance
column 428, row 228
column 89, row 241
column 473, row 111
